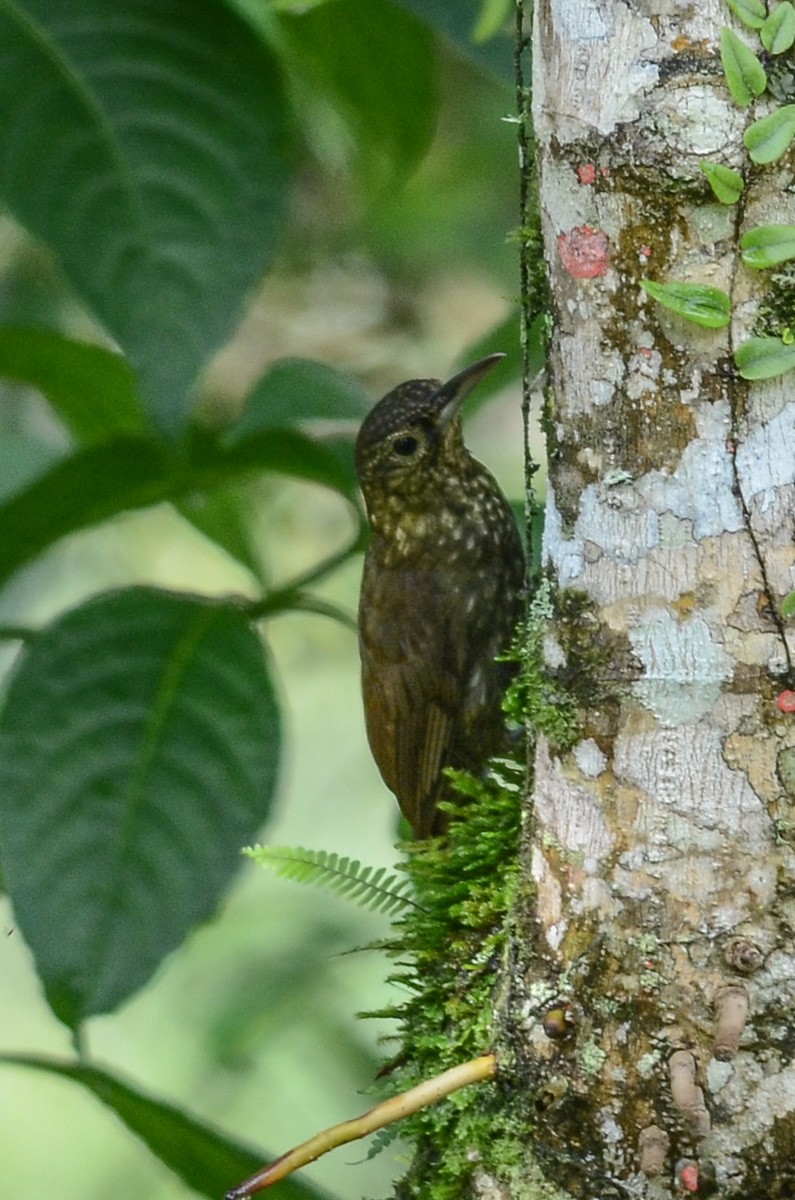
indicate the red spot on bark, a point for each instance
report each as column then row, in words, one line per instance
column 645, row 252
column 586, row 173
column 584, row 251
column 688, row 1177
column 646, row 351
column 786, row 701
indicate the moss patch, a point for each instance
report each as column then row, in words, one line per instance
column 449, row 949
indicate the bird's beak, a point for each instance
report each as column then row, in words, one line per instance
column 448, row 398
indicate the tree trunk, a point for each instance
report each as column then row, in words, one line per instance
column 651, row 1012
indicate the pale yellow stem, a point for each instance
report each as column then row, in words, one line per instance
column 428, row 1092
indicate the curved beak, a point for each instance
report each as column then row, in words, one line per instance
column 448, row 398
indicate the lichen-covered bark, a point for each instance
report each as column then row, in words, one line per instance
column 653, row 1011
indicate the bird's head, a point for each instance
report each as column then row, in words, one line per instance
column 413, row 435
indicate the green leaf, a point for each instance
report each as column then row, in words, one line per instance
column 139, row 744
column 494, row 16
column 770, row 137
column 91, row 389
column 764, row 358
column 751, row 12
column 289, row 452
column 101, row 481
column 458, row 24
column 726, row 183
column 81, row 490
column 23, row 457
column 295, row 390
column 745, row 75
column 147, row 145
column 226, row 515
column 788, row 605
column 778, row 31
column 376, row 65
column 502, row 338
column 202, row 1157
column 696, row 302
column 767, row 245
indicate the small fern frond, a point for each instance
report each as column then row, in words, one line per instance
column 370, row 888
column 383, row 1139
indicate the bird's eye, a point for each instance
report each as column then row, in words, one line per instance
column 405, row 446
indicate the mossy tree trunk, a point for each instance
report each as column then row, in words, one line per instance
column 651, row 1009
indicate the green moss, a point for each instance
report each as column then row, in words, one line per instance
column 451, row 946
column 556, row 680
column 777, row 310
column 592, row 1058
column 449, row 950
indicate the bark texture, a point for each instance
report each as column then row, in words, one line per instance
column 653, row 1016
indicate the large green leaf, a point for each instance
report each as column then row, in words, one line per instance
column 125, row 473
column 81, row 490
column 146, row 143
column 138, row 752
column 226, row 515
column 461, row 25
column 376, row 65
column 502, row 338
column 90, row 389
column 203, row 1157
column 294, row 390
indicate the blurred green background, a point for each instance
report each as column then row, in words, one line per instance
column 252, row 1023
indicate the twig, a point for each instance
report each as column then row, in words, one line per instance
column 17, row 633
column 430, row 1091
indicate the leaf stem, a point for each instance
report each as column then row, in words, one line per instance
column 293, row 594
column 17, row 633
column 430, row 1091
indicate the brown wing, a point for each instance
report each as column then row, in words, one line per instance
column 412, row 683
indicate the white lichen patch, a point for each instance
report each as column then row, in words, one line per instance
column 656, row 535
column 718, row 1074
column 766, row 458
column 549, row 899
column 684, row 667
column 694, row 807
column 605, row 367
column 603, row 69
column 589, row 758
column 698, row 120
column 570, row 814
column 684, row 774
column 701, row 488
column 756, row 1101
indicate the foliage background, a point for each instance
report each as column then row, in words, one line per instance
column 392, row 259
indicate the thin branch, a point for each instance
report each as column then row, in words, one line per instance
column 292, row 594
column 17, row 633
column 430, row 1091
column 301, row 602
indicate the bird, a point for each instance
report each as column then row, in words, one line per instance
column 442, row 593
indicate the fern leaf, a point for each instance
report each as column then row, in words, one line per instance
column 370, row 888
